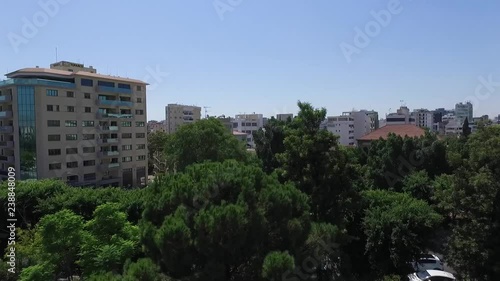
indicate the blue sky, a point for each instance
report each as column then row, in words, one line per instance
column 263, row 56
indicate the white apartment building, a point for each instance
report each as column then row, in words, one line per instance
column 401, row 117
column 249, row 124
column 462, row 111
column 343, row 127
column 424, row 119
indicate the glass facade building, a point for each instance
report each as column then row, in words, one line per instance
column 27, row 131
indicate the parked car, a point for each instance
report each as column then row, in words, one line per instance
column 428, row 261
column 431, row 275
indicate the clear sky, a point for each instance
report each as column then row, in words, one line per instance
column 263, row 56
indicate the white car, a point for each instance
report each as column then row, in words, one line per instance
column 431, row 275
column 425, row 262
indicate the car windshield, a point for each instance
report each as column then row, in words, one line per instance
column 426, row 261
column 423, row 275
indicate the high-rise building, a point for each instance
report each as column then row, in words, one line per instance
column 71, row 123
column 462, row 111
column 352, row 125
column 177, row 115
column 249, row 124
column 424, row 119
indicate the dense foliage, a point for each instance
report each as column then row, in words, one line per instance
column 305, row 209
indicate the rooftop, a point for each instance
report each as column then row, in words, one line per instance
column 400, row 130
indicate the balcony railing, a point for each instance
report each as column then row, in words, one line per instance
column 107, row 128
column 108, row 140
column 6, row 129
column 109, row 153
column 5, row 99
column 5, row 114
column 113, row 90
column 43, row 82
column 6, row 144
column 100, row 115
column 116, row 103
column 108, row 166
column 109, row 180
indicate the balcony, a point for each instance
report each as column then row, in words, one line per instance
column 108, row 141
column 5, row 99
column 100, row 115
column 34, row 82
column 7, row 159
column 5, row 114
column 107, row 128
column 6, row 144
column 104, row 89
column 6, row 129
column 116, row 103
column 109, row 153
column 109, row 166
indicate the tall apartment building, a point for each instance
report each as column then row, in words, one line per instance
column 70, row 123
column 351, row 126
column 249, row 124
column 177, row 115
column 425, row 119
column 462, row 111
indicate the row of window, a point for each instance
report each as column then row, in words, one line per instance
column 74, row 137
column 89, row 163
column 90, row 83
column 74, row 123
column 70, row 94
column 248, row 124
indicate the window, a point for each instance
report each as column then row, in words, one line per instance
column 87, row 163
column 139, row 124
column 141, row 146
column 88, row 136
column 88, row 109
column 90, row 149
column 86, row 95
column 70, row 94
column 70, row 123
column 53, row 152
column 50, row 107
column 139, row 112
column 72, row 164
column 70, row 108
column 72, row 150
column 140, row 135
column 53, row 123
column 88, row 124
column 127, row 147
column 126, row 124
column 89, row 177
column 139, row 100
column 87, row 82
column 123, row 86
column 139, row 88
column 127, row 159
column 73, row 178
column 141, row 157
column 54, row 137
column 71, row 137
column 106, row 84
column 254, row 124
column 52, row 93
column 126, row 135
column 55, row 166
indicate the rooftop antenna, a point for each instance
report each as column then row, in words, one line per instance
column 56, row 54
column 206, row 111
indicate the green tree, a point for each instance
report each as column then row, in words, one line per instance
column 156, row 146
column 419, row 185
column 204, row 140
column 218, row 221
column 275, row 264
column 269, row 142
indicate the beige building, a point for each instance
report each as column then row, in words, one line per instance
column 177, row 115
column 69, row 122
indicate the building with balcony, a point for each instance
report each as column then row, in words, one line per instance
column 177, row 115
column 249, row 124
column 462, row 111
column 71, row 123
column 156, row 126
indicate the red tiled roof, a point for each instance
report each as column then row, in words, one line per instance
column 400, row 130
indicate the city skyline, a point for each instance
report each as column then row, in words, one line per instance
column 263, row 57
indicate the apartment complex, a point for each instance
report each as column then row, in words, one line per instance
column 462, row 111
column 177, row 115
column 71, row 123
column 352, row 125
column 284, row 116
column 156, row 126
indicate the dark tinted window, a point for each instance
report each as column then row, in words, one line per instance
column 123, row 86
column 87, row 82
column 106, row 84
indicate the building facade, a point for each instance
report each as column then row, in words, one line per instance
column 70, row 123
column 462, row 111
column 249, row 124
column 284, row 116
column 177, row 115
column 425, row 119
column 156, row 126
column 343, row 127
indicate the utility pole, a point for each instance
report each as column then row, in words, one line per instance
column 206, row 111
